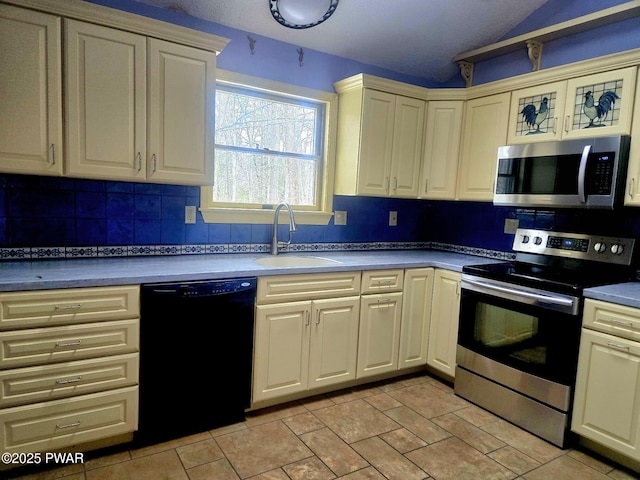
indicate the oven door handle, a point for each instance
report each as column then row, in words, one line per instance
column 554, row 302
column 582, row 174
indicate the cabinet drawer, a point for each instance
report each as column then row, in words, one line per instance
column 618, row 320
column 43, row 308
column 288, row 288
column 71, row 421
column 381, row 281
column 49, row 382
column 55, row 344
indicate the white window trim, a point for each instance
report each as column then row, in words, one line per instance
column 213, row 214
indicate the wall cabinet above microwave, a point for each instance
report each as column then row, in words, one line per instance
column 594, row 105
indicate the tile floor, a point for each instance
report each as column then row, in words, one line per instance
column 409, row 428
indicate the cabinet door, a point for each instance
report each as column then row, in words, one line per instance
column 416, row 315
column 607, row 398
column 334, row 341
column 485, row 129
column 442, row 149
column 31, row 90
column 408, row 135
column 600, row 104
column 376, row 143
column 443, row 329
column 632, row 197
column 281, row 352
column 181, row 102
column 379, row 333
column 105, row 102
column 537, row 113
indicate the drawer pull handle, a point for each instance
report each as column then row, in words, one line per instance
column 617, row 346
column 75, row 343
column 69, row 380
column 67, row 307
column 68, row 425
column 620, row 322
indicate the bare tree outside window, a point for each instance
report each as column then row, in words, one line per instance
column 268, row 149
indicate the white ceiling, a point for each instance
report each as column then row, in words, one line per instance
column 414, row 37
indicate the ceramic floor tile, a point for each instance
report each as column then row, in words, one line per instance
column 218, row 470
column 600, row 465
column 277, row 474
column 403, row 440
column 355, row 420
column 270, row 414
column 309, row 469
column 524, row 441
column 452, row 459
column 199, row 453
column 428, row 400
column 383, row 402
column 262, row 448
column 514, row 460
column 477, row 438
column 334, row 452
column 417, row 424
column 165, row 465
column 476, row 416
column 388, row 461
column 369, row 473
column 565, row 468
column 303, row 423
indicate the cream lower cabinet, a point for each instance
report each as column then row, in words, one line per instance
column 305, row 344
column 69, row 363
column 443, row 328
column 380, row 316
column 606, row 406
column 416, row 317
column 31, row 91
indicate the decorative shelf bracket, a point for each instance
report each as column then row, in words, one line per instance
column 534, row 50
column 466, row 70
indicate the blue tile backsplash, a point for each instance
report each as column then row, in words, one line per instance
column 49, row 217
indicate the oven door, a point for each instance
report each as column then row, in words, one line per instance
column 520, row 337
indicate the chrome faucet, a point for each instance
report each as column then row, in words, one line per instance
column 292, row 228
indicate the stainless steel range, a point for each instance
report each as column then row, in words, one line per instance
column 520, row 325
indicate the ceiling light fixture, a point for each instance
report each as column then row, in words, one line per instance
column 302, row 13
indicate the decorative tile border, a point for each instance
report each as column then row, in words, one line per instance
column 49, row 253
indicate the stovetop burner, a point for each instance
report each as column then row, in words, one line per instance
column 562, row 262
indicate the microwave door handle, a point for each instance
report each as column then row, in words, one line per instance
column 582, row 173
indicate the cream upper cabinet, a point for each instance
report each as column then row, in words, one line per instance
column 31, row 86
column 137, row 108
column 416, row 316
column 443, row 329
column 380, row 138
column 441, row 149
column 537, row 113
column 632, row 197
column 484, row 130
column 593, row 105
column 180, row 123
column 105, row 92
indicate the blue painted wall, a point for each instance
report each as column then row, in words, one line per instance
column 47, row 211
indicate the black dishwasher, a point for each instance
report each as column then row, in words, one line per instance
column 196, row 343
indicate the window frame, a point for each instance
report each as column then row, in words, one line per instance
column 217, row 213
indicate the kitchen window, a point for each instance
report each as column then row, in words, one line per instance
column 273, row 143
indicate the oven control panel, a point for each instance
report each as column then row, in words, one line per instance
column 598, row 248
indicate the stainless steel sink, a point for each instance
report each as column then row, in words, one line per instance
column 285, row 260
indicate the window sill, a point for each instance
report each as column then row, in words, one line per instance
column 239, row 215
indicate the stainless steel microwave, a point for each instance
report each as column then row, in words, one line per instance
column 584, row 173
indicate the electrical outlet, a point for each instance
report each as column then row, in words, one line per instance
column 511, row 225
column 393, row 218
column 190, row 214
column 340, row 217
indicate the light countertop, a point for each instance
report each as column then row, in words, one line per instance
column 72, row 273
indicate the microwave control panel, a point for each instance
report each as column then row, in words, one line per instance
column 574, row 245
